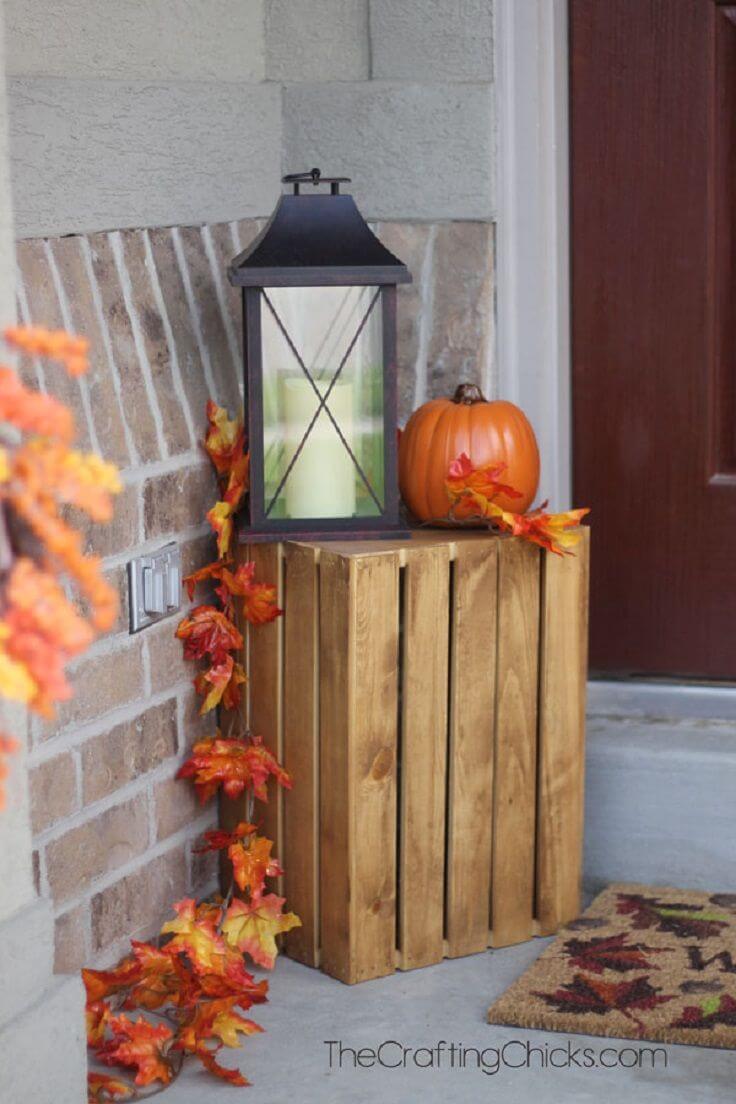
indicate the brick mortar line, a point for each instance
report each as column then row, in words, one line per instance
column 235, row 236
column 44, row 888
column 138, row 473
column 75, row 736
column 426, row 316
column 116, row 248
column 66, row 318
column 158, row 297
column 25, row 317
column 192, row 532
column 193, row 312
column 215, row 272
column 86, row 251
column 98, row 885
column 137, row 787
column 116, row 642
column 488, row 367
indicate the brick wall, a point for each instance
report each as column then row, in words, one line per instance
column 113, row 830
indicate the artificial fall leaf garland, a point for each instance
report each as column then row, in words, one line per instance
column 41, row 476
column 472, row 493
column 194, row 979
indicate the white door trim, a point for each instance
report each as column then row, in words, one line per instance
column 533, row 281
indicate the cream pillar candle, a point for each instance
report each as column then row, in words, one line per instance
column 322, row 481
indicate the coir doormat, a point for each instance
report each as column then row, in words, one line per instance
column 642, row 963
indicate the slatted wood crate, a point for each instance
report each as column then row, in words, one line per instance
column 428, row 698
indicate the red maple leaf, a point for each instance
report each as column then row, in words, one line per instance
column 585, row 995
column 612, row 953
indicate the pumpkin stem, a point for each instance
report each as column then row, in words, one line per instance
column 468, row 394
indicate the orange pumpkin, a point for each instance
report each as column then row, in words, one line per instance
column 489, row 432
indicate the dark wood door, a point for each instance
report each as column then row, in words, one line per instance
column 653, row 148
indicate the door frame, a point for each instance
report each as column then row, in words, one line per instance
column 533, row 228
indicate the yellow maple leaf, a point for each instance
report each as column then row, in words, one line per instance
column 197, row 938
column 15, row 680
column 252, row 927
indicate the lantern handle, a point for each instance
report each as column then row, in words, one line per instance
column 314, row 176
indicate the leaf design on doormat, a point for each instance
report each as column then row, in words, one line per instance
column 714, row 1010
column 684, row 921
column 592, row 995
column 612, row 953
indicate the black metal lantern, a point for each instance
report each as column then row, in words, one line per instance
column 319, row 319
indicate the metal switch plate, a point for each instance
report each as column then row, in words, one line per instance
column 155, row 586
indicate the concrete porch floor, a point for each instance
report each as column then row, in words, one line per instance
column 289, row 1064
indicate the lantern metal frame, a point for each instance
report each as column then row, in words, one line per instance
column 317, row 240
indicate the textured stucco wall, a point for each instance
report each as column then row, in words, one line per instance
column 109, row 154
column 144, row 113
column 418, row 151
column 410, row 117
column 215, row 40
column 156, row 112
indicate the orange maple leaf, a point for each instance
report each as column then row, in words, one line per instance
column 210, row 1063
column 102, row 1087
column 32, row 412
column 100, row 984
column 231, row 693
column 56, row 474
column 220, row 970
column 210, row 571
column 259, row 599
column 251, row 927
column 233, row 764
column 96, row 1015
column 215, row 1019
column 221, row 521
column 217, row 839
column 197, row 938
column 555, row 532
column 163, row 978
column 462, row 477
column 239, row 985
column 252, row 864
column 69, row 349
column 208, row 631
column 40, row 631
column 140, row 1046
column 238, row 482
column 225, row 438
column 7, row 746
column 472, row 492
column 220, row 683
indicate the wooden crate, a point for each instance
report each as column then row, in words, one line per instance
column 428, row 697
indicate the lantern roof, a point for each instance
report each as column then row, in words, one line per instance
column 316, row 240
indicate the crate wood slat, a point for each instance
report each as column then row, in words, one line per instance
column 265, row 669
column 564, row 662
column 470, row 764
column 299, row 854
column 423, row 755
column 514, row 814
column 358, row 746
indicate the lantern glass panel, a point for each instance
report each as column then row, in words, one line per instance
column 323, row 411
